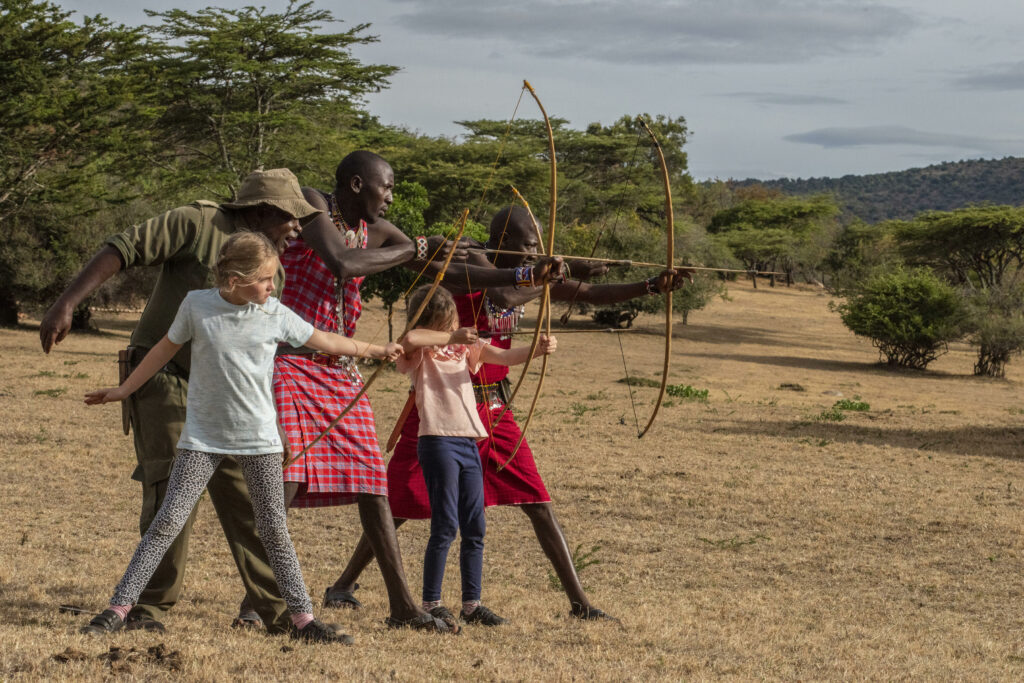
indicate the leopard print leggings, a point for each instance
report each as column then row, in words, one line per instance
column 192, row 470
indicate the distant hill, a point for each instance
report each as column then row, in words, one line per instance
column 904, row 194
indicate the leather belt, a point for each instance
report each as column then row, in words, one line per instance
column 494, row 395
column 327, row 360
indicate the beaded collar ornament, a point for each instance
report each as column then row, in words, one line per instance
column 503, row 321
column 353, row 239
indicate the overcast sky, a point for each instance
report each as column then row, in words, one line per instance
column 769, row 88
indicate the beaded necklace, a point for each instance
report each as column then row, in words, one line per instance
column 503, row 320
column 353, row 239
column 346, row 292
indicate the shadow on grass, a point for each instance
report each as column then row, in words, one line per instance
column 1000, row 442
column 25, row 612
column 807, row 363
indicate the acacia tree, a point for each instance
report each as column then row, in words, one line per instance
column 980, row 249
column 65, row 98
column 63, row 90
column 603, row 171
column 771, row 233
column 235, row 84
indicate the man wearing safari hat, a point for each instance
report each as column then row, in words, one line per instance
column 184, row 243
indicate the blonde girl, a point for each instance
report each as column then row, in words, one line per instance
column 234, row 330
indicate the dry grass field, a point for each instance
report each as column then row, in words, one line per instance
column 752, row 536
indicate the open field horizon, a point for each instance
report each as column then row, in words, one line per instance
column 761, row 534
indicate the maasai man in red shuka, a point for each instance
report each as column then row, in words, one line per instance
column 348, row 241
column 497, row 310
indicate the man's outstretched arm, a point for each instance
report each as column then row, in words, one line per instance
column 56, row 322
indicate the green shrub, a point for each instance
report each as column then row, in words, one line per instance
column 909, row 315
column 687, row 392
column 855, row 404
column 996, row 322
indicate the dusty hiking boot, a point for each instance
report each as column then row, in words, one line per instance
column 424, row 622
column 483, row 616
column 317, row 631
column 106, row 621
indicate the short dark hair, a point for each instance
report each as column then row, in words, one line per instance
column 357, row 163
column 510, row 215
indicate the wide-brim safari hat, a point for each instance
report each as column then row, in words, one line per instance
column 277, row 187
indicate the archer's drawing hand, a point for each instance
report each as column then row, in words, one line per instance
column 438, row 247
column 465, row 335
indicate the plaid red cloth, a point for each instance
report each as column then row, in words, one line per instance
column 348, row 460
column 312, row 291
column 517, row 484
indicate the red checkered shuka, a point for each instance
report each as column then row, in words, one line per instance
column 347, row 461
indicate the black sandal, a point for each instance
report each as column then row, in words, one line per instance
column 424, row 622
column 444, row 614
column 248, row 619
column 591, row 614
column 339, row 599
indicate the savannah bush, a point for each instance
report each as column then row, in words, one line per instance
column 995, row 318
column 909, row 315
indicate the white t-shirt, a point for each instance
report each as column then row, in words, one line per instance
column 230, row 394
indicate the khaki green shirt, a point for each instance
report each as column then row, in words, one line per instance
column 184, row 243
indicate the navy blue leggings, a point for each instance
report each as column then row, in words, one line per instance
column 455, row 484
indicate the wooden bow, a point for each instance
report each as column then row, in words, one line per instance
column 669, row 260
column 408, row 326
column 544, row 315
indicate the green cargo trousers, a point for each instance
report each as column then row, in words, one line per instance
column 158, row 416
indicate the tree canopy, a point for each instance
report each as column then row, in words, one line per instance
column 234, row 85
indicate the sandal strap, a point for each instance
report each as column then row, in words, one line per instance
column 423, row 622
column 335, row 597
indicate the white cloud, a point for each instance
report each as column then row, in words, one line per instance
column 896, row 135
column 785, row 99
column 997, row 77
column 666, row 31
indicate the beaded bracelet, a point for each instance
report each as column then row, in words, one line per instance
column 523, row 276
column 651, row 284
column 421, row 248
